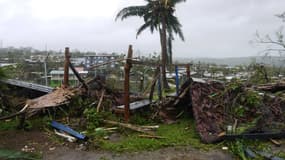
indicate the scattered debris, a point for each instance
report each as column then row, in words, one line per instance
column 64, row 135
column 275, row 142
column 250, row 115
column 52, row 148
column 137, row 104
column 273, row 87
column 28, row 149
column 151, row 136
column 68, row 130
column 129, row 126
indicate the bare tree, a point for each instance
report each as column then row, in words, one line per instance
column 275, row 44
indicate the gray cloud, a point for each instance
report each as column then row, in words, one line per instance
column 219, row 28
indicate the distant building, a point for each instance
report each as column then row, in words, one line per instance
column 91, row 60
column 77, row 61
column 7, row 64
column 56, row 76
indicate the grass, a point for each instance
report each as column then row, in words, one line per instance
column 36, row 123
column 8, row 125
column 180, row 134
column 11, row 154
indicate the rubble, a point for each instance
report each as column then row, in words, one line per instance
column 215, row 106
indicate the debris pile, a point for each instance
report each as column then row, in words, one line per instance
column 234, row 110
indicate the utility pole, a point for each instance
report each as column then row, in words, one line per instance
column 1, row 43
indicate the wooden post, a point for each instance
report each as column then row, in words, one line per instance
column 188, row 70
column 128, row 66
column 66, row 67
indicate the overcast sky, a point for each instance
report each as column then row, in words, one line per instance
column 212, row 28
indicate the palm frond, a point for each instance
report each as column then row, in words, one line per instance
column 174, row 2
column 131, row 11
column 143, row 27
column 175, row 25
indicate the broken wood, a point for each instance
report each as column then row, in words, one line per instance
column 128, row 66
column 58, row 97
column 22, row 111
column 271, row 87
column 155, row 77
column 68, row 137
column 78, row 76
column 150, row 136
column 100, row 101
column 150, row 127
column 275, row 142
column 129, row 126
column 181, row 95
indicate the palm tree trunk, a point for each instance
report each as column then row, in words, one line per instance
column 163, row 42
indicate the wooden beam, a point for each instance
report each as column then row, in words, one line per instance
column 188, row 70
column 66, row 68
column 128, row 66
column 78, row 76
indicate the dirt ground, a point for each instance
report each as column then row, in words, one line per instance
column 39, row 141
column 172, row 153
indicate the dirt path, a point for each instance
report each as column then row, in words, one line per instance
column 40, row 142
column 172, row 153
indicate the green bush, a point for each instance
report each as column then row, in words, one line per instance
column 93, row 118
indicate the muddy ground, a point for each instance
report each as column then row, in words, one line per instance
column 41, row 142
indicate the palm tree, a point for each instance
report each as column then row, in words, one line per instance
column 158, row 15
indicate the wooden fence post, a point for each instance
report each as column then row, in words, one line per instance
column 66, row 68
column 188, row 71
column 128, row 66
